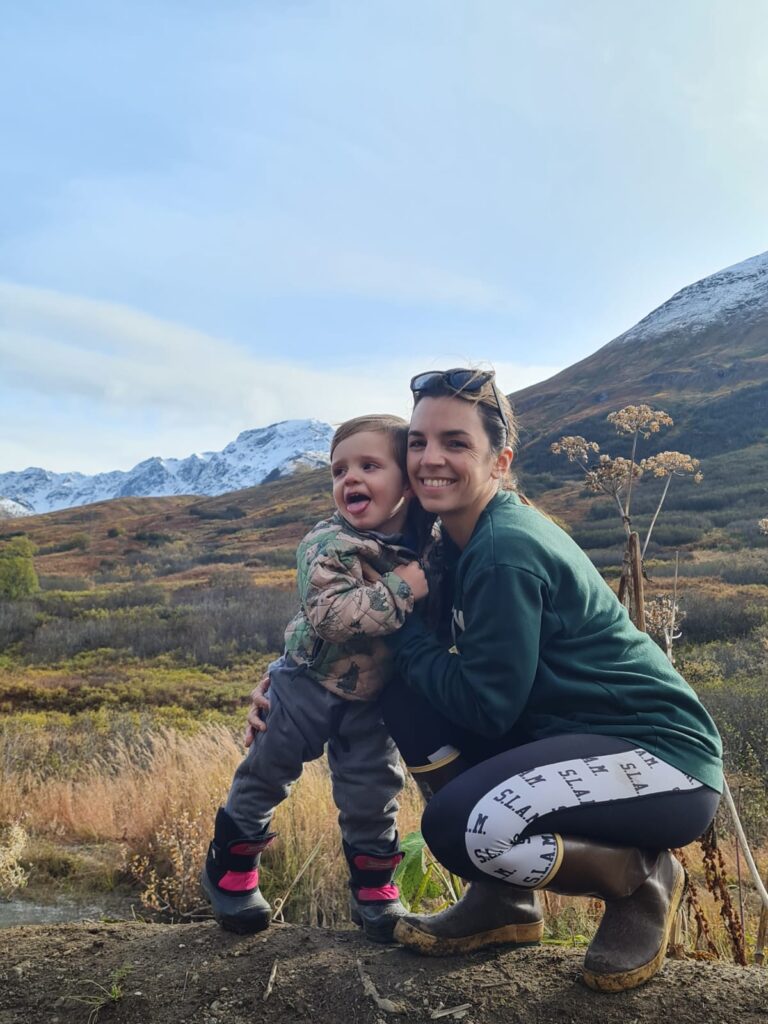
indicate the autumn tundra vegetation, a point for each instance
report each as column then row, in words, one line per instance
column 131, row 633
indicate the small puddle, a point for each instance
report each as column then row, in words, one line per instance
column 62, row 910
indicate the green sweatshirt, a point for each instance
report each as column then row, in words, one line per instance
column 544, row 648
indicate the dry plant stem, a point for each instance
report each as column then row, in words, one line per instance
column 636, row 561
column 671, row 637
column 451, row 1011
column 656, row 514
column 738, row 865
column 282, row 900
column 385, row 1005
column 715, row 874
column 270, row 982
column 762, row 892
column 762, row 933
column 694, row 905
column 631, row 476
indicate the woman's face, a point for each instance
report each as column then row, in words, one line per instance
column 451, row 467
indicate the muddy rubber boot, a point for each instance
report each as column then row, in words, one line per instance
column 488, row 914
column 230, row 878
column 374, row 901
column 642, row 891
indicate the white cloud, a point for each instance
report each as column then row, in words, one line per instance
column 104, row 385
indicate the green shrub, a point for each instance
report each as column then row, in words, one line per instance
column 18, row 578
column 152, row 538
column 230, row 512
column 711, row 618
column 70, row 583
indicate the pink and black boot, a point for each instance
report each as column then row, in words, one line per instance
column 230, row 878
column 374, row 901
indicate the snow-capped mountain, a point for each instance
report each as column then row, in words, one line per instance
column 702, row 356
column 269, row 452
column 739, row 291
column 13, row 509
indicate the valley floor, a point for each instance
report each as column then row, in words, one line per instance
column 196, row 974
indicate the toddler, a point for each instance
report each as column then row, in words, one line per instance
column 358, row 577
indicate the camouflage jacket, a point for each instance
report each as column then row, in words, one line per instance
column 338, row 632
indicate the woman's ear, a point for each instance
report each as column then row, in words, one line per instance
column 502, row 463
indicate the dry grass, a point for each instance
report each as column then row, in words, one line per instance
column 156, row 800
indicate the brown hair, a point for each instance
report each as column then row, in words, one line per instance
column 395, row 427
column 487, row 398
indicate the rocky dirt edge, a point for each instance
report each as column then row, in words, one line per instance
column 199, row 975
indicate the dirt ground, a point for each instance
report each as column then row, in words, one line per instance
column 197, row 974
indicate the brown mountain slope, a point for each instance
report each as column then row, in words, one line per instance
column 179, row 539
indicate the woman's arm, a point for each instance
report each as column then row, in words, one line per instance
column 486, row 685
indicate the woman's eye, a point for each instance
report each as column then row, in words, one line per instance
column 457, row 444
column 415, row 444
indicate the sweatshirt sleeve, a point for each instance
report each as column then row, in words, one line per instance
column 340, row 604
column 485, row 686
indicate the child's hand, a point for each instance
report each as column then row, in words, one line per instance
column 414, row 576
column 259, row 707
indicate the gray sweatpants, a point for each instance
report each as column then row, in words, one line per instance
column 366, row 776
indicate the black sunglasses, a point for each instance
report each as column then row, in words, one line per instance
column 459, row 379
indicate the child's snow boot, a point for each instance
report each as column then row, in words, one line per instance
column 374, row 901
column 230, row 878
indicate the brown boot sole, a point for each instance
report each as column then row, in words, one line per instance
column 621, row 981
column 431, row 945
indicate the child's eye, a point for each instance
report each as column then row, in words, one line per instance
column 337, row 471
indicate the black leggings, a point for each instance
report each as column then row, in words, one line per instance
column 497, row 819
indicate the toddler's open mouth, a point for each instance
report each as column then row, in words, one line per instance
column 356, row 503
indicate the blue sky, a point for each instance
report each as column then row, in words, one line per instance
column 217, row 215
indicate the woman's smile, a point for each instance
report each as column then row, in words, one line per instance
column 435, row 482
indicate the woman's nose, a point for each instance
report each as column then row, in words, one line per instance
column 432, row 454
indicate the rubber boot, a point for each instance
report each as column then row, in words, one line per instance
column 230, row 877
column 642, row 891
column 432, row 777
column 488, row 914
column 374, row 901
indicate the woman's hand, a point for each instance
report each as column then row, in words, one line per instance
column 259, row 707
column 414, row 576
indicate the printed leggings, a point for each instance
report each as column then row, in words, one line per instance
column 500, row 818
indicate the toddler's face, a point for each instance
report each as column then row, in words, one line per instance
column 368, row 485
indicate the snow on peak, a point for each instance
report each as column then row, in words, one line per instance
column 10, row 509
column 742, row 289
column 273, row 451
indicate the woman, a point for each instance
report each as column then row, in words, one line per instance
column 559, row 747
column 604, row 757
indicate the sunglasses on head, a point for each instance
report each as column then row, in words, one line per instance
column 459, row 379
